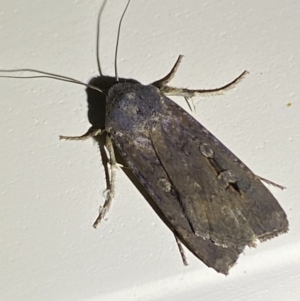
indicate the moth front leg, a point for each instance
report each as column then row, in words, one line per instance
column 189, row 93
column 110, row 178
column 163, row 81
column 91, row 132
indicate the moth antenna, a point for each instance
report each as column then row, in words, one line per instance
column 98, row 38
column 46, row 75
column 118, row 39
column 61, row 77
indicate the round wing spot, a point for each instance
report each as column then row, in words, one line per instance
column 206, row 151
column 164, row 184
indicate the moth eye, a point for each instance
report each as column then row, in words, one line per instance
column 164, row 184
column 206, row 150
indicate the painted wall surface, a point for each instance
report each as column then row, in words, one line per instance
column 51, row 190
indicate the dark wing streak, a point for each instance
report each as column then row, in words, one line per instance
column 173, row 187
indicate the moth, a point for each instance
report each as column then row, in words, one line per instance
column 211, row 201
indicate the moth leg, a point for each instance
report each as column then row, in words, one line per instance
column 163, row 81
column 92, row 132
column 190, row 103
column 270, row 182
column 189, row 93
column 181, row 250
column 111, row 190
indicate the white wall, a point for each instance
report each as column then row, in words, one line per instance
column 51, row 189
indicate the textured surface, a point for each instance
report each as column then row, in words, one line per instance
column 50, row 190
